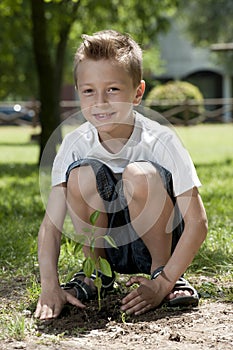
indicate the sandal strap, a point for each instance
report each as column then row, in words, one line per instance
column 107, row 282
column 83, row 291
column 184, row 301
column 181, row 282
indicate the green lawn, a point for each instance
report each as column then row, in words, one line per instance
column 21, row 207
column 16, row 147
column 208, row 144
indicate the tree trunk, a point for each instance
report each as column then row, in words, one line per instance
column 48, row 90
column 50, row 75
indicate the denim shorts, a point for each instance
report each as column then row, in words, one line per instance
column 132, row 256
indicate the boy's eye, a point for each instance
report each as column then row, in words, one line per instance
column 113, row 89
column 88, row 92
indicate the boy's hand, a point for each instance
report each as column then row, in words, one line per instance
column 148, row 295
column 51, row 303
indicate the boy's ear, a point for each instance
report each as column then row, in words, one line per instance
column 140, row 92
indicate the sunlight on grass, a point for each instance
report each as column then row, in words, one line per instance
column 16, row 145
column 208, row 143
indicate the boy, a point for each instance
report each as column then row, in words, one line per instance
column 136, row 173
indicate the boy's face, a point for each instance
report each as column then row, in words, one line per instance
column 107, row 95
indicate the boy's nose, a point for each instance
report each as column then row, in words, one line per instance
column 101, row 98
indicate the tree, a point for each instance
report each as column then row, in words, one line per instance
column 57, row 23
column 209, row 22
column 50, row 68
column 17, row 78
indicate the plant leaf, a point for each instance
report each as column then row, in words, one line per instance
column 88, row 266
column 105, row 267
column 110, row 241
column 94, row 217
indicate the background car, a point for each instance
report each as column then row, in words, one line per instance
column 16, row 115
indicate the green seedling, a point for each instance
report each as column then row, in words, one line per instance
column 93, row 263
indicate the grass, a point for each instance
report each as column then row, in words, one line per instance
column 208, row 144
column 22, row 209
column 16, row 146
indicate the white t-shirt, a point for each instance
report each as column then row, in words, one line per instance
column 149, row 141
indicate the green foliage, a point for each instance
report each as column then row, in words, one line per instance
column 72, row 18
column 209, row 22
column 152, row 63
column 94, row 217
column 44, row 39
column 88, row 266
column 105, row 267
column 17, row 79
column 177, row 92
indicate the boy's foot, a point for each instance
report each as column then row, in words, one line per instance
column 83, row 288
column 183, row 294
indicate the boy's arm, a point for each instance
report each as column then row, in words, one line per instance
column 52, row 297
column 195, row 231
column 49, row 238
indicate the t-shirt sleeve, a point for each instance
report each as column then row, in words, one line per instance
column 177, row 160
column 63, row 159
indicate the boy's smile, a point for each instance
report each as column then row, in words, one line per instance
column 107, row 96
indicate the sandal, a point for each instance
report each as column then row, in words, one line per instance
column 83, row 290
column 183, row 285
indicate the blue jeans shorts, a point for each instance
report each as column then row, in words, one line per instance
column 132, row 256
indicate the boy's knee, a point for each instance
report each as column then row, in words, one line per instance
column 81, row 180
column 140, row 178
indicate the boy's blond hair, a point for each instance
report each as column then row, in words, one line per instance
column 111, row 45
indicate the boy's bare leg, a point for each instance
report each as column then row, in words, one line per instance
column 82, row 200
column 151, row 210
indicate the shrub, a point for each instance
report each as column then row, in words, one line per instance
column 180, row 99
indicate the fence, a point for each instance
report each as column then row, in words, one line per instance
column 218, row 110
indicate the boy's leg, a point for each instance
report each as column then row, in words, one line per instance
column 151, row 210
column 91, row 186
column 82, row 200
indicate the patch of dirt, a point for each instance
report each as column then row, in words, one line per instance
column 210, row 326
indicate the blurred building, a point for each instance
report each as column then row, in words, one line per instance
column 184, row 61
